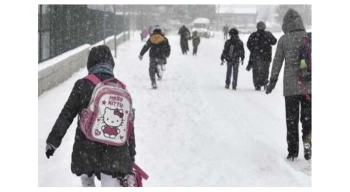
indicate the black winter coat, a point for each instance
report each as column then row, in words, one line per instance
column 233, row 49
column 160, row 47
column 196, row 40
column 260, row 45
column 184, row 32
column 90, row 157
column 185, row 35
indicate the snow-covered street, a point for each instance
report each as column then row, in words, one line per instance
column 191, row 131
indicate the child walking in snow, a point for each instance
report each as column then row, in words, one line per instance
column 113, row 165
column 233, row 51
column 195, row 42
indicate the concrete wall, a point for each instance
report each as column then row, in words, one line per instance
column 57, row 73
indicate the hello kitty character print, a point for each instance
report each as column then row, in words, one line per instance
column 113, row 118
column 107, row 119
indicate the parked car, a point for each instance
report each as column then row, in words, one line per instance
column 201, row 25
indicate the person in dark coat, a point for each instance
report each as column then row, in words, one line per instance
column 185, row 35
column 160, row 51
column 260, row 47
column 195, row 42
column 225, row 30
column 287, row 52
column 90, row 158
column 233, row 51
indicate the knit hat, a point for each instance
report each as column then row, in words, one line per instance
column 233, row 32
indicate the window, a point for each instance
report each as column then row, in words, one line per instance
column 200, row 25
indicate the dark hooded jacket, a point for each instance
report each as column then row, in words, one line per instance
column 159, row 45
column 90, row 157
column 260, row 45
column 184, row 32
column 185, row 35
column 287, row 51
column 236, row 45
column 195, row 40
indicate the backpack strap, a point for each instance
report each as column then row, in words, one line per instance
column 95, row 80
column 91, row 77
column 138, row 169
column 119, row 82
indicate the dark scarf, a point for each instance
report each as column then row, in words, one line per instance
column 101, row 68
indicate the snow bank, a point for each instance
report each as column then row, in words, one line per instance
column 61, row 57
column 58, row 69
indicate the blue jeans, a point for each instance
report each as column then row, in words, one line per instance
column 232, row 64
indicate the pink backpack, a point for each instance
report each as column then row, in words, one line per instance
column 108, row 117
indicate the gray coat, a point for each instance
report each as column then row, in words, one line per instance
column 288, row 49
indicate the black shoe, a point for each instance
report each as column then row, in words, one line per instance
column 257, row 88
column 234, row 88
column 226, row 86
column 291, row 157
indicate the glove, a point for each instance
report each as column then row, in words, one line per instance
column 271, row 86
column 140, row 57
column 50, row 149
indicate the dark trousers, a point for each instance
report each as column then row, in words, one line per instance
column 195, row 47
column 292, row 120
column 260, row 73
column 184, row 45
column 154, row 66
column 232, row 65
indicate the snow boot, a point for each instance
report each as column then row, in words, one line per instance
column 307, row 146
column 154, row 85
column 226, row 86
column 291, row 157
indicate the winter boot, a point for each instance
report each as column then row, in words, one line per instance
column 154, row 85
column 291, row 157
column 307, row 146
column 226, row 86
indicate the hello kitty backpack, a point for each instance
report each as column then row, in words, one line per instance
column 108, row 117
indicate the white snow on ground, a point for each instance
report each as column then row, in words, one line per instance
column 191, row 131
